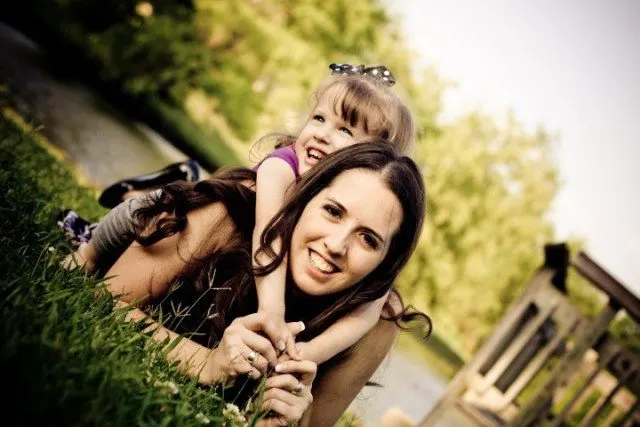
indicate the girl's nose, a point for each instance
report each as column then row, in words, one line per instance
column 323, row 134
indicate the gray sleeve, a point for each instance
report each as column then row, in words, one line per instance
column 116, row 231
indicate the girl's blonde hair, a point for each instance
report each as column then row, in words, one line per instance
column 362, row 101
column 371, row 103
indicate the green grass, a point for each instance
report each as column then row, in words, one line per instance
column 205, row 142
column 67, row 357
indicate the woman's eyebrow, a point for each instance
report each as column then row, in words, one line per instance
column 375, row 234
column 343, row 209
column 340, row 205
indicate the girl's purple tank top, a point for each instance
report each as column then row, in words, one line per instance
column 288, row 154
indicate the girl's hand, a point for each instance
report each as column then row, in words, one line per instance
column 288, row 392
column 281, row 334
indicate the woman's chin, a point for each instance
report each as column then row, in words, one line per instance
column 301, row 289
column 309, row 291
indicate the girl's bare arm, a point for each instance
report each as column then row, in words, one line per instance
column 274, row 178
column 344, row 333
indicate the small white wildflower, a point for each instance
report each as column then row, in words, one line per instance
column 168, row 386
column 203, row 419
column 173, row 387
column 232, row 413
column 51, row 249
column 144, row 9
column 231, row 410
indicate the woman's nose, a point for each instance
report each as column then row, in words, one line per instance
column 336, row 244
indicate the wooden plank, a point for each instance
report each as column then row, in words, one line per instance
column 608, row 284
column 585, row 339
column 517, row 345
column 602, row 364
column 460, row 381
column 589, row 420
column 630, row 413
column 532, row 369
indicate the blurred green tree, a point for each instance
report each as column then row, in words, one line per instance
column 490, row 188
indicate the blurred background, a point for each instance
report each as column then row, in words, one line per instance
column 527, row 117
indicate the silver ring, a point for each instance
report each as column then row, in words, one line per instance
column 252, row 357
column 299, row 388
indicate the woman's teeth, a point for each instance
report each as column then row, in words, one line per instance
column 318, row 262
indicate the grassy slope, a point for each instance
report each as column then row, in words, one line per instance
column 65, row 355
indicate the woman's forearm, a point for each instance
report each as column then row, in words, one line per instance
column 193, row 359
column 149, row 272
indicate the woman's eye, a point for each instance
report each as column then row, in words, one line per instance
column 318, row 118
column 370, row 241
column 332, row 210
column 347, row 131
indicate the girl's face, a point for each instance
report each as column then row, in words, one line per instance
column 343, row 233
column 324, row 133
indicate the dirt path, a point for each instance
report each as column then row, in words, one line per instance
column 104, row 145
column 406, row 384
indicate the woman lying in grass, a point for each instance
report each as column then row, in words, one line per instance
column 347, row 229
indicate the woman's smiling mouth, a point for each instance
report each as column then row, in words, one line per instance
column 320, row 264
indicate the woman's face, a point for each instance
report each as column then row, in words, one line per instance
column 343, row 233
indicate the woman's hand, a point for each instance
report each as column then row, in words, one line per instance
column 243, row 351
column 288, row 392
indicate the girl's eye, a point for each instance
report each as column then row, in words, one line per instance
column 347, row 131
column 332, row 211
column 318, row 118
column 370, row 241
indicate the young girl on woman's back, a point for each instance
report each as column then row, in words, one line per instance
column 352, row 105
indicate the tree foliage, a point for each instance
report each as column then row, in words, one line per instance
column 489, row 188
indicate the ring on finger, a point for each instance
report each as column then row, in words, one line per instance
column 298, row 389
column 252, row 357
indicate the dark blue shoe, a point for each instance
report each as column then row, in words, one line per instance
column 76, row 229
column 189, row 171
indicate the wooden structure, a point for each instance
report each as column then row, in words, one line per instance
column 546, row 364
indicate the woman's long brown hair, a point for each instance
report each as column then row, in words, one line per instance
column 221, row 287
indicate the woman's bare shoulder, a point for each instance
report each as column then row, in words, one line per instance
column 210, row 226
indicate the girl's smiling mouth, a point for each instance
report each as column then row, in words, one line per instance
column 315, row 154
